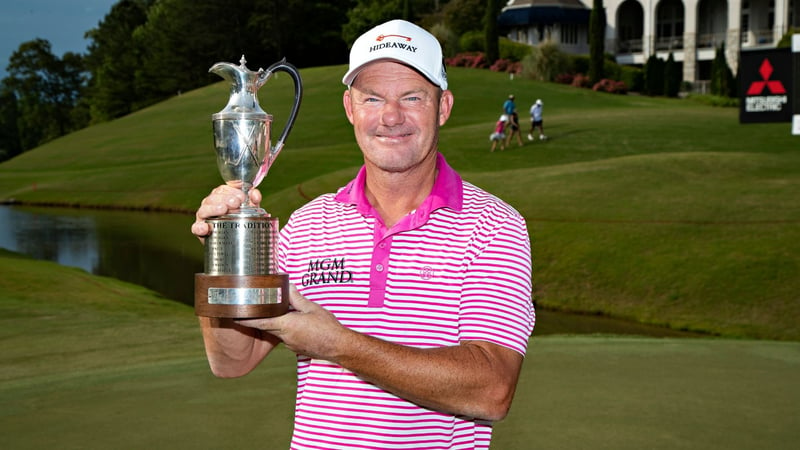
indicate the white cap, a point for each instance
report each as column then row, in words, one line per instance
column 504, row 118
column 400, row 41
column 538, row 101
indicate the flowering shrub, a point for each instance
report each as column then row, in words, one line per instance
column 475, row 60
column 580, row 80
column 610, row 86
column 505, row 65
column 564, row 78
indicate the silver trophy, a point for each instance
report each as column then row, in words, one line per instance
column 241, row 279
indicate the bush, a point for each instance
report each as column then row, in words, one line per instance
column 545, row 62
column 504, row 65
column 514, row 51
column 475, row 60
column 633, row 77
column 579, row 63
column 582, row 81
column 714, row 100
column 611, row 69
column 448, row 39
column 565, row 78
column 610, row 86
column 472, row 41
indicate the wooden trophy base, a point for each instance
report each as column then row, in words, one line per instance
column 241, row 296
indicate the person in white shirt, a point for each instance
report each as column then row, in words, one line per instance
column 536, row 120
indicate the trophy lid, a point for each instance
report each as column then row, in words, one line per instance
column 243, row 101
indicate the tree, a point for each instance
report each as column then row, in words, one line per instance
column 462, row 16
column 46, row 88
column 597, row 36
column 113, row 59
column 368, row 14
column 274, row 25
column 183, row 38
column 491, row 32
column 672, row 77
column 654, row 76
column 722, row 81
column 9, row 134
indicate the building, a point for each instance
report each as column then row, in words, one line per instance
column 691, row 29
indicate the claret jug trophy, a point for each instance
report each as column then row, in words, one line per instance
column 240, row 278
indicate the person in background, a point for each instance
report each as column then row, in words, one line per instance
column 537, row 120
column 513, row 129
column 499, row 133
column 421, row 344
column 509, row 106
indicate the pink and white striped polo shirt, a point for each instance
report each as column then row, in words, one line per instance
column 457, row 268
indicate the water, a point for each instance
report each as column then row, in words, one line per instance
column 155, row 250
column 158, row 251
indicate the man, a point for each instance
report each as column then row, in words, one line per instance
column 536, row 120
column 509, row 106
column 421, row 344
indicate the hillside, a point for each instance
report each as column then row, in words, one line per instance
column 658, row 210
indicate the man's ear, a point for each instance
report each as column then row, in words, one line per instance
column 347, row 101
column 445, row 106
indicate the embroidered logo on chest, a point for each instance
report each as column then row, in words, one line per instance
column 426, row 273
column 327, row 271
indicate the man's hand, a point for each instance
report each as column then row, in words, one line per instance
column 308, row 329
column 220, row 201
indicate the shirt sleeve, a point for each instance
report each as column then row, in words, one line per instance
column 496, row 304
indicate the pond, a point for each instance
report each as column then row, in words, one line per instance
column 157, row 250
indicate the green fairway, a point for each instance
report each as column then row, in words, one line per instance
column 662, row 211
column 93, row 363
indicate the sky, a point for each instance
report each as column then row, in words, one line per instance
column 62, row 22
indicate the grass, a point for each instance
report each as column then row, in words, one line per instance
column 93, row 363
column 659, row 210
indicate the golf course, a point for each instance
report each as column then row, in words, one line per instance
column 665, row 212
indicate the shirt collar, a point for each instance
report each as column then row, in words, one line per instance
column 447, row 191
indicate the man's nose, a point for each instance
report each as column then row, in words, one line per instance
column 392, row 113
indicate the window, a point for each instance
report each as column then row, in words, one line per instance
column 569, row 33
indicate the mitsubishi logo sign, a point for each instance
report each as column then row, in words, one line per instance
column 765, row 85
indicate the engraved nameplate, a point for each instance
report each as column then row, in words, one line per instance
column 244, row 296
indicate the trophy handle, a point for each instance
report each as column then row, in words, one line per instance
column 282, row 66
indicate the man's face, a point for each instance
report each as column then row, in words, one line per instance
column 396, row 114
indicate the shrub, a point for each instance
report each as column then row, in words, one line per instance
column 472, row 41
column 564, row 78
column 514, row 51
column 504, row 65
column 714, row 100
column 610, row 86
column 579, row 63
column 475, row 60
column 448, row 39
column 545, row 62
column 580, row 80
column 633, row 78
